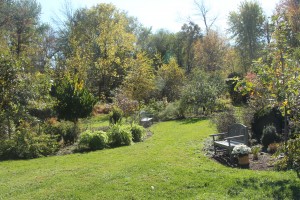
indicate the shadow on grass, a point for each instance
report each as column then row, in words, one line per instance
column 192, row 120
column 279, row 189
column 224, row 159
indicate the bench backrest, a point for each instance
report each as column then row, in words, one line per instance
column 239, row 129
column 144, row 114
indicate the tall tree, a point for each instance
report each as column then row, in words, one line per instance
column 25, row 23
column 102, row 45
column 139, row 83
column 6, row 11
column 203, row 13
column 246, row 26
column 24, row 68
column 9, row 83
column 24, row 34
column 161, row 44
column 187, row 37
column 210, row 52
column 289, row 11
column 170, row 79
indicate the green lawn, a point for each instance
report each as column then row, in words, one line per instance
column 94, row 122
column 169, row 165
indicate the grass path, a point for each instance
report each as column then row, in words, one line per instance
column 169, row 165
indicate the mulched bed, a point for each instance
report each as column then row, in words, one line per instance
column 265, row 161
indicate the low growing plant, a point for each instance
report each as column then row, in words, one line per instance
column 269, row 136
column 115, row 116
column 291, row 156
column 92, row 140
column 264, row 118
column 255, row 151
column 241, row 149
column 138, row 133
column 119, row 135
column 66, row 131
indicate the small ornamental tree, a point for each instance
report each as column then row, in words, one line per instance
column 73, row 100
column 201, row 91
column 279, row 71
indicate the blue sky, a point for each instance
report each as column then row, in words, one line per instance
column 167, row 14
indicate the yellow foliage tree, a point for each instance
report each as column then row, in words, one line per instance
column 101, row 47
column 170, row 80
column 140, row 82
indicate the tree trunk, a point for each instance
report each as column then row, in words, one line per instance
column 8, row 126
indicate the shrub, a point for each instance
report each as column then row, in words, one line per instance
column 223, row 104
column 92, row 140
column 42, row 113
column 224, row 119
column 70, row 133
column 66, row 131
column 74, row 101
column 125, row 103
column 101, row 108
column 263, row 118
column 115, row 116
column 272, row 148
column 200, row 93
column 232, row 80
column 26, row 144
column 269, row 136
column 52, row 129
column 7, row 149
column 138, row 133
column 172, row 111
column 119, row 136
column 291, row 156
column 155, row 107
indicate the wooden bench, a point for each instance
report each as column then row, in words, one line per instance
column 237, row 134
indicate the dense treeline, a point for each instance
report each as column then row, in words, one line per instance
column 100, row 54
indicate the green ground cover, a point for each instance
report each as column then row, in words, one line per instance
column 94, row 122
column 169, row 165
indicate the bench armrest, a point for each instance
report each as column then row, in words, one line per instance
column 218, row 134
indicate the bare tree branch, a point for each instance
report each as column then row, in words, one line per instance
column 202, row 8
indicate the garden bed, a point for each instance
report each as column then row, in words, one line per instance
column 265, row 161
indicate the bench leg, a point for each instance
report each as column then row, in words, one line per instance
column 215, row 150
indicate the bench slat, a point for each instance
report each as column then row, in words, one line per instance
column 225, row 143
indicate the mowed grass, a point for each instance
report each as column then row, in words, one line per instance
column 169, row 165
column 94, row 122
